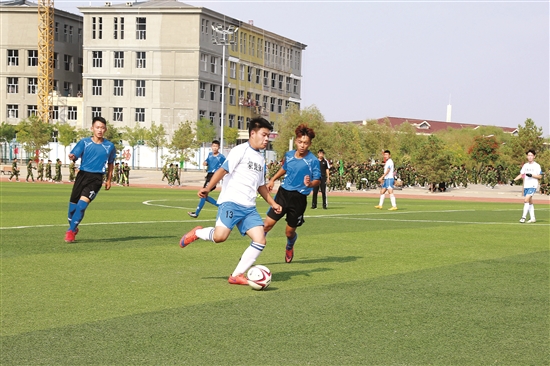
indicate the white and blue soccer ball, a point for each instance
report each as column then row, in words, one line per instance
column 259, row 277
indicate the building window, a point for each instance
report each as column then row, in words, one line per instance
column 212, row 116
column 13, row 111
column 258, row 76
column 56, row 85
column 97, row 59
column 56, row 60
column 115, row 28
column 232, row 96
column 71, row 113
column 288, row 84
column 13, row 85
column 232, row 69
column 117, row 114
column 65, row 33
column 68, row 62
column 56, row 32
column 81, row 65
column 141, row 60
column 273, row 79
column 240, row 122
column 260, row 49
column 32, row 85
column 32, row 110
column 202, row 90
column 13, row 57
column 252, row 43
column 296, row 86
column 241, row 97
column 266, row 98
column 32, row 59
column 79, row 35
column 140, row 88
column 140, row 114
column 97, row 27
column 250, row 71
column 202, row 113
column 231, row 120
column 279, row 106
column 241, row 72
column 281, row 78
column 213, row 64
column 67, row 88
column 266, row 78
column 96, row 112
column 204, row 26
column 212, row 92
column 118, row 87
column 141, row 27
column 272, row 104
column 97, row 86
column 119, row 59
column 118, row 28
column 247, row 123
column 54, row 113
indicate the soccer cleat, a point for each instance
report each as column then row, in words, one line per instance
column 394, row 208
column 193, row 215
column 532, row 221
column 76, row 232
column 238, row 280
column 289, row 255
column 189, row 237
column 522, row 220
column 378, row 207
column 69, row 236
column 313, row 207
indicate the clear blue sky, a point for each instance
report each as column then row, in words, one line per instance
column 371, row 59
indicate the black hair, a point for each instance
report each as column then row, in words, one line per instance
column 216, row 142
column 258, row 123
column 532, row 151
column 100, row 119
column 387, row 151
column 321, row 150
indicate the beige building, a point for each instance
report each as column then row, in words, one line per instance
column 155, row 61
column 19, row 65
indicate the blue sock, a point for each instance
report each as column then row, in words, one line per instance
column 290, row 242
column 78, row 214
column 200, row 206
column 72, row 209
column 212, row 201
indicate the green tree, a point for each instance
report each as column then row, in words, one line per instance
column 345, row 143
column 135, row 136
column 33, row 134
column 376, row 138
column 206, row 131
column 529, row 137
column 66, row 135
column 156, row 139
column 183, row 142
column 114, row 135
column 408, row 142
column 484, row 151
column 230, row 135
column 7, row 133
column 432, row 161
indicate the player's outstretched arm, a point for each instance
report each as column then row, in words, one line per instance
column 277, row 175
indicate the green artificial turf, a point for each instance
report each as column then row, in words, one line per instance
column 435, row 283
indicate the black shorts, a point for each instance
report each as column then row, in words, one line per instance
column 294, row 205
column 207, row 180
column 87, row 185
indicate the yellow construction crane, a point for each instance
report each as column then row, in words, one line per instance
column 45, row 58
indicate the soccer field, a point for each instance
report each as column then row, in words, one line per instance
column 437, row 282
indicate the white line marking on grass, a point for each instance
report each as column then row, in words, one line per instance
column 105, row 223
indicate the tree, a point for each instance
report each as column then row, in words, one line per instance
column 432, row 161
column 183, row 142
column 66, row 134
column 529, row 137
column 7, row 133
column 345, row 143
column 33, row 134
column 135, row 136
column 156, row 139
column 230, row 135
column 206, row 131
column 114, row 135
column 376, row 138
column 484, row 151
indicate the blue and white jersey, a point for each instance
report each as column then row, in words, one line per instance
column 389, row 165
column 214, row 162
column 93, row 157
column 297, row 168
column 245, row 167
column 532, row 168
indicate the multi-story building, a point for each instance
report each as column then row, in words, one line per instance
column 155, row 61
column 19, row 63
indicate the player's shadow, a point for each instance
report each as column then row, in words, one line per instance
column 331, row 259
column 287, row 275
column 122, row 239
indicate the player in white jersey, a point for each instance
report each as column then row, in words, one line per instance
column 530, row 172
column 243, row 174
column 388, row 179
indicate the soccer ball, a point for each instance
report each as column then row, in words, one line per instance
column 259, row 277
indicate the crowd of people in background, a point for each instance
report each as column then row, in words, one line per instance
column 121, row 174
column 43, row 170
column 172, row 173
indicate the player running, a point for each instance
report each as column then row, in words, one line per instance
column 530, row 172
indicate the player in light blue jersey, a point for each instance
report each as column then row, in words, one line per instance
column 212, row 163
column 302, row 172
column 95, row 153
column 387, row 179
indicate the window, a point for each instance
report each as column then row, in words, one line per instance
column 240, row 122
column 97, row 27
column 231, row 120
column 259, row 53
column 118, row 87
column 212, row 92
column 241, row 97
column 96, row 112
column 273, row 79
column 252, row 43
column 204, row 62
column 241, row 72
column 257, row 100
column 295, row 90
column 141, row 27
column 32, row 59
column 140, row 114
column 202, row 113
column 117, row 114
column 232, row 96
column 56, row 85
column 56, row 60
column 115, row 28
column 266, row 98
column 32, row 85
column 32, row 110
column 232, row 69
column 204, row 26
column 247, row 123
column 54, row 113
column 212, row 115
column 140, row 88
column 67, row 88
column 213, row 64
column 141, row 60
column 79, row 35
column 56, row 32
column 119, row 59
column 258, row 76
column 281, row 78
column 250, row 71
column 279, row 106
column 65, row 33
column 68, row 62
column 13, row 85
column 13, row 57
column 266, row 78
column 97, row 86
column 97, row 59
column 272, row 104
column 13, row 111
column 121, row 28
column 81, row 65
column 202, row 90
column 71, row 113
column 288, row 84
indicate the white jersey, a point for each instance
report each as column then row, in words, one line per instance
column 389, row 165
column 245, row 167
column 532, row 168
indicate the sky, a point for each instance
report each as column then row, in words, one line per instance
column 410, row 59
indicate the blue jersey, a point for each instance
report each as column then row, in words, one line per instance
column 93, row 157
column 214, row 162
column 297, row 168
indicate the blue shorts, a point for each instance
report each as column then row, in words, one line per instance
column 388, row 183
column 529, row 191
column 231, row 214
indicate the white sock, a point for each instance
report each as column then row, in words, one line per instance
column 248, row 258
column 532, row 212
column 381, row 200
column 206, row 233
column 392, row 199
column 525, row 210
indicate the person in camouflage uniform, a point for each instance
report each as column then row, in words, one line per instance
column 72, row 171
column 14, row 171
column 171, row 174
column 49, row 171
column 116, row 174
column 40, row 171
column 165, row 172
column 126, row 174
column 30, row 167
column 177, row 172
column 58, row 177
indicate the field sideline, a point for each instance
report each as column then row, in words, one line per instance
column 437, row 282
